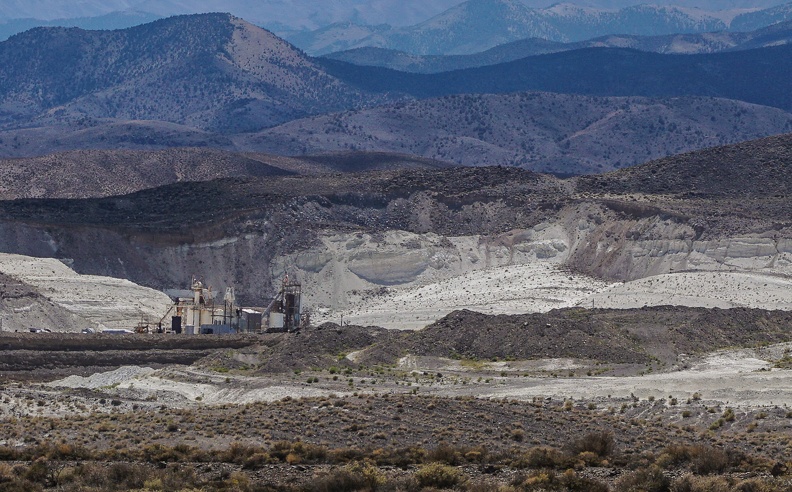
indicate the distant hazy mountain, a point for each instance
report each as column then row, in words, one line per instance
column 755, row 20
column 311, row 12
column 776, row 34
column 291, row 14
column 477, row 25
column 113, row 20
column 208, row 71
column 759, row 76
column 538, row 131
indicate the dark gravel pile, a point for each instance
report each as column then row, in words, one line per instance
column 606, row 335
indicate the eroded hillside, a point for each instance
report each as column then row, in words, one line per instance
column 364, row 240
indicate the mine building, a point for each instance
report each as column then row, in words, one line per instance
column 200, row 314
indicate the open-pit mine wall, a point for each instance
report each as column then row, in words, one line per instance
column 337, row 266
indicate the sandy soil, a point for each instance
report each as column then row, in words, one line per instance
column 741, row 378
column 755, row 289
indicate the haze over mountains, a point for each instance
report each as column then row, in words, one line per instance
column 477, row 25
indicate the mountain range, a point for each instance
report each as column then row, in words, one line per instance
column 291, row 14
column 680, row 44
column 213, row 80
column 208, row 71
column 759, row 76
column 477, row 25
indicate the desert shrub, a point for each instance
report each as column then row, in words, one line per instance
column 311, row 453
column 649, row 479
column 37, row 472
column 599, row 443
column 7, row 454
column 573, row 482
column 125, row 476
column 372, row 477
column 707, row 460
column 237, row 482
column 178, row 478
column 6, row 473
column 298, row 452
column 345, row 455
column 239, row 453
column 756, row 485
column 258, row 460
column 21, row 485
column 542, row 457
column 674, row 455
column 546, row 480
column 89, row 474
column 439, row 475
column 704, row 460
column 336, row 480
column 692, row 483
column 351, row 477
column 444, row 453
column 401, row 457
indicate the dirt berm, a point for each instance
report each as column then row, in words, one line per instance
column 49, row 353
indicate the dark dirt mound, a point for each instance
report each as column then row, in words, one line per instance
column 606, row 335
column 320, row 347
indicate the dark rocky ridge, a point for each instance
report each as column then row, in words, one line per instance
column 761, row 168
column 102, row 173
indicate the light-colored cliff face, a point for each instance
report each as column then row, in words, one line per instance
column 59, row 299
column 637, row 249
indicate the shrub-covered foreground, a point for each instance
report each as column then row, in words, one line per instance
column 298, row 466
